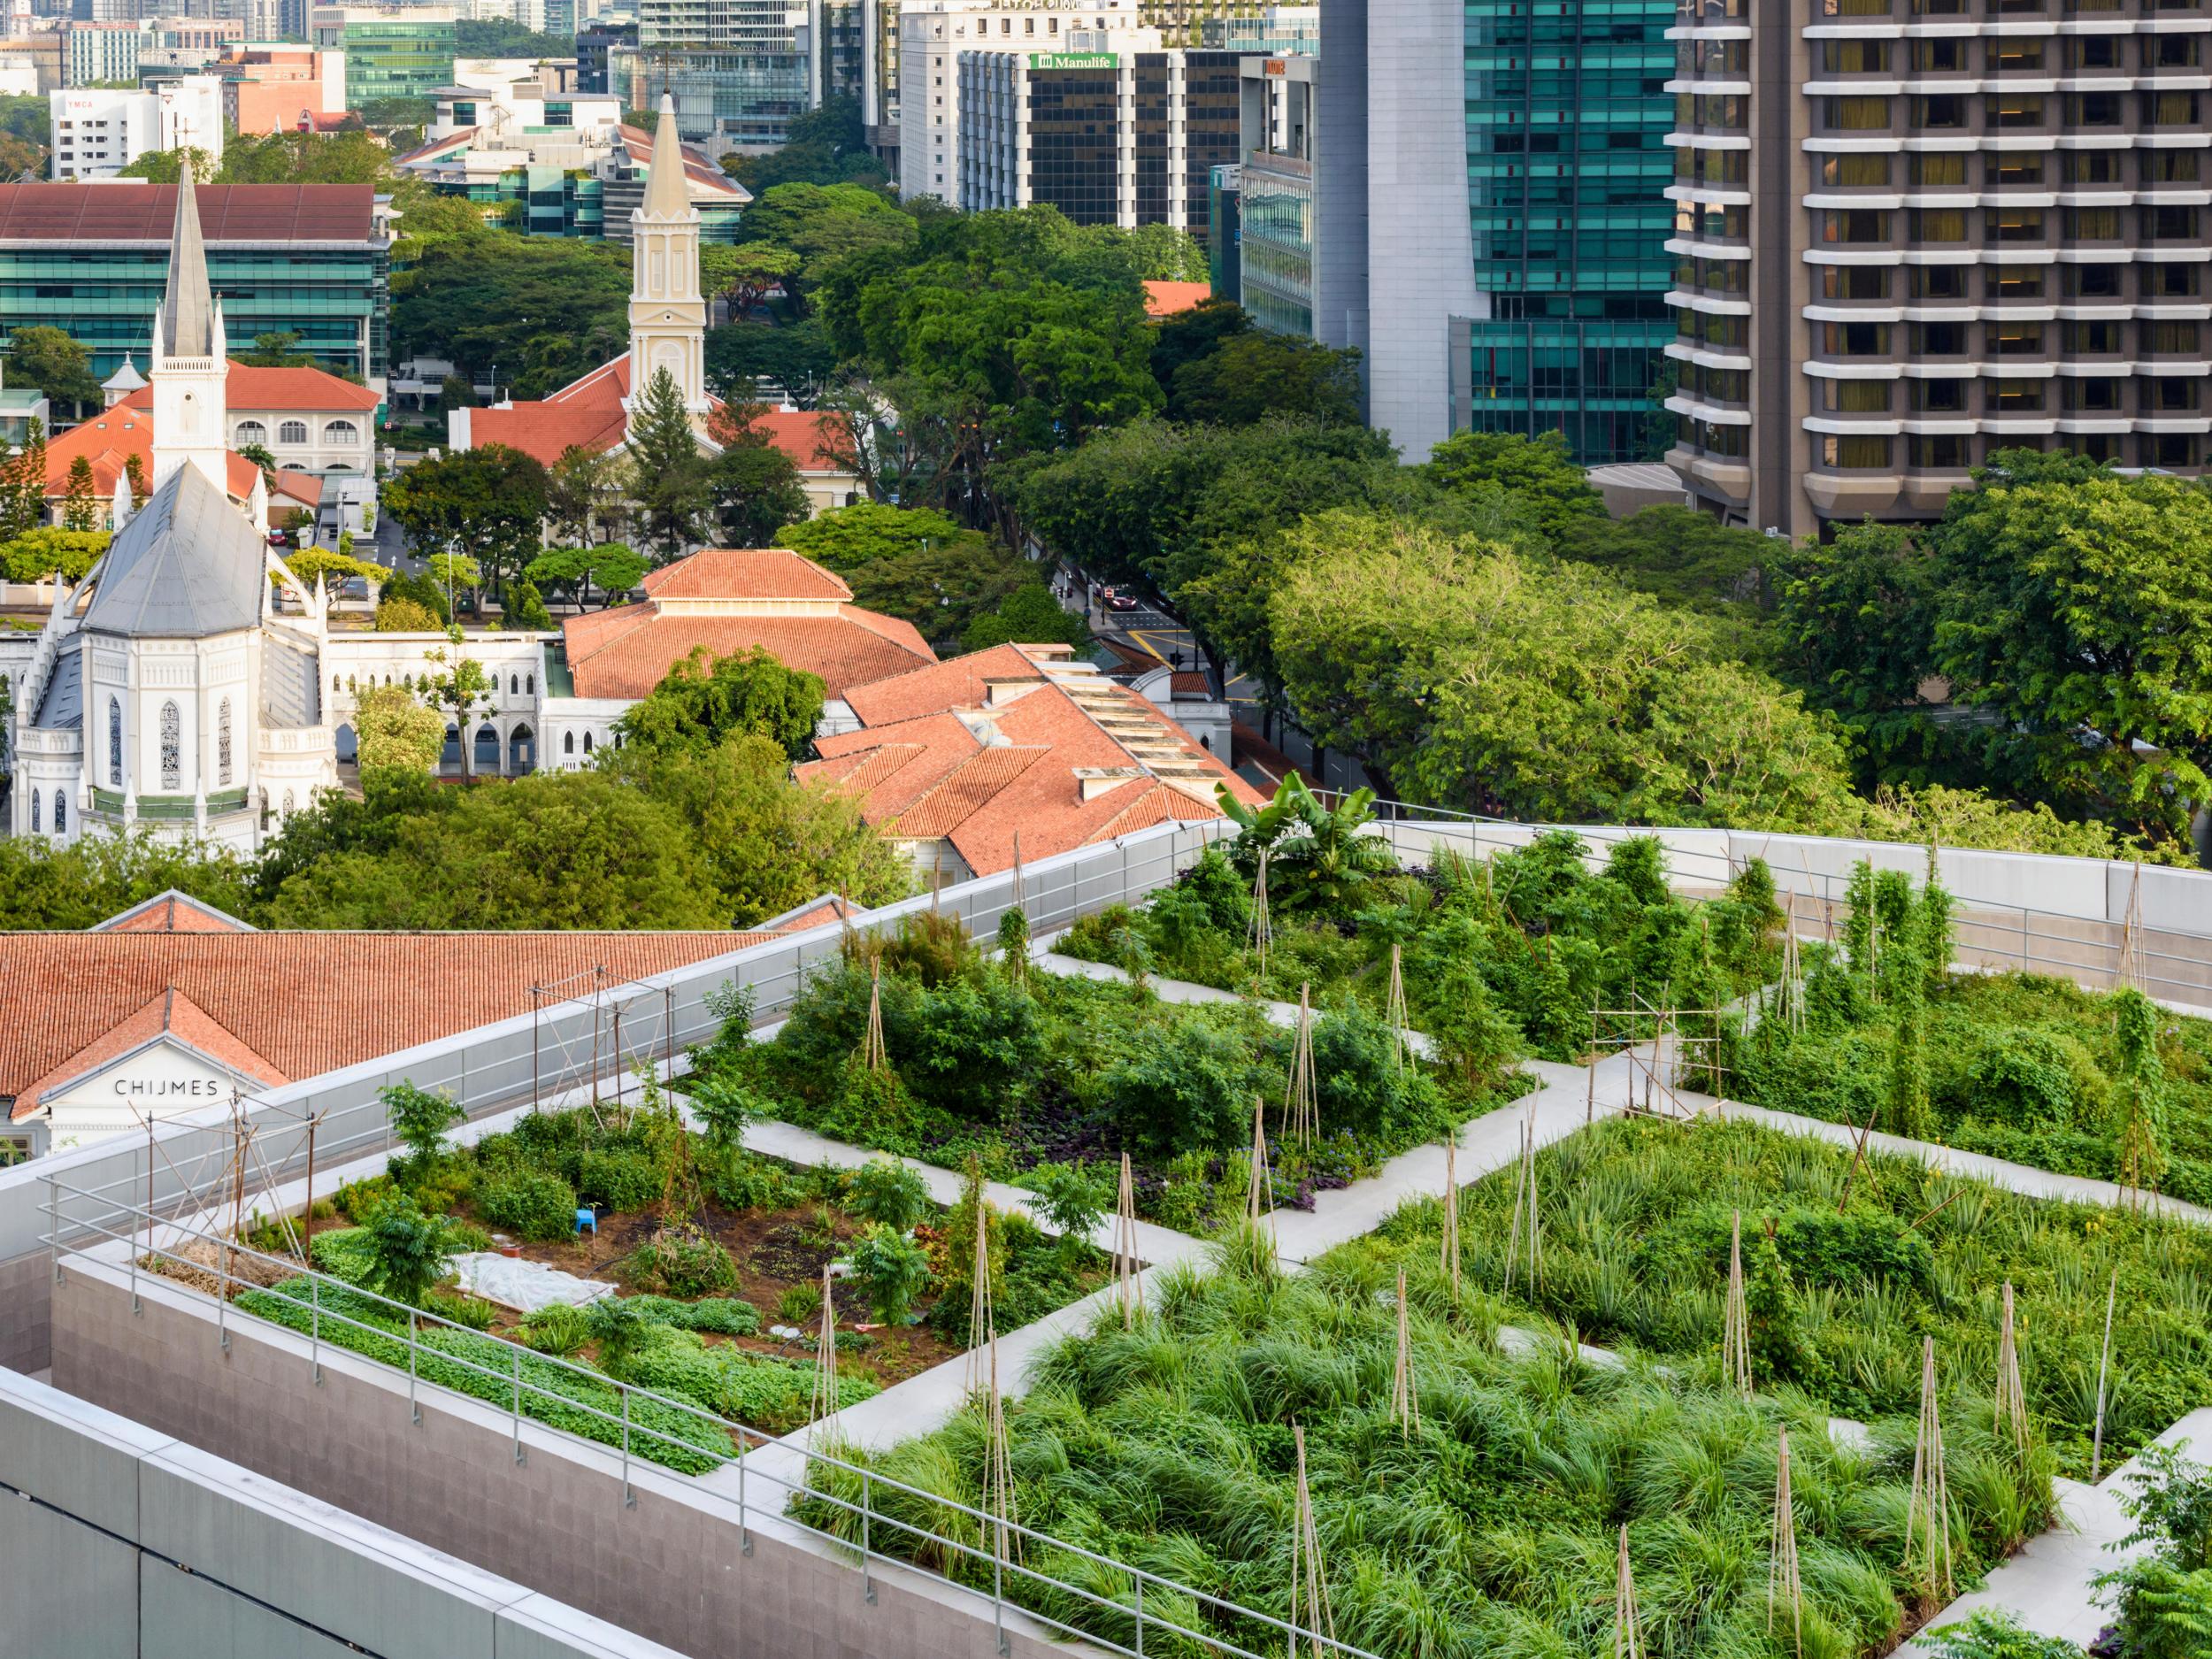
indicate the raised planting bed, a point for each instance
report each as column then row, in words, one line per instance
column 1505, row 957
column 987, row 1060
column 1635, row 1219
column 717, row 1256
column 1489, row 1527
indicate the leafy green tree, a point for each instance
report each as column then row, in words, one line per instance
column 1683, row 556
column 584, row 493
column 396, row 613
column 47, row 359
column 915, row 564
column 1071, row 1201
column 419, row 1118
column 671, row 480
column 503, row 37
column 334, row 568
column 394, row 730
column 23, row 484
column 1319, row 857
column 823, row 224
column 544, row 310
column 51, row 551
column 1192, row 334
column 756, row 485
column 1252, row 375
column 278, row 350
column 846, row 538
column 525, row 608
column 79, row 510
column 1855, row 622
column 407, row 1251
column 885, row 1191
column 70, row 886
column 794, row 356
column 1537, row 469
column 462, row 686
column 488, row 503
column 1028, row 616
column 891, row 1270
column 703, row 699
column 2077, row 609
column 1475, row 679
column 261, row 457
column 745, row 274
column 824, row 145
column 621, row 1328
column 760, row 843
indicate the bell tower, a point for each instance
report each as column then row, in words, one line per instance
column 189, row 366
column 668, row 315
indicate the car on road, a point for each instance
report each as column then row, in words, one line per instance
column 278, row 538
column 1124, row 601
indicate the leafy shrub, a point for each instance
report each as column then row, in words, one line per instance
column 1188, row 1087
column 343, row 1252
column 623, row 1181
column 556, row 1329
column 930, row 946
column 419, row 1118
column 799, row 1305
column 726, row 1105
column 472, row 1311
column 1071, row 1201
column 737, row 1179
column 885, row 1191
column 356, row 1201
column 406, row 1251
column 621, row 1328
column 1996, row 1636
column 768, row 1395
column 891, row 1270
column 725, row 1314
column 529, row 1203
column 682, row 1262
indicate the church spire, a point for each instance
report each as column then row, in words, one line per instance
column 187, row 307
column 668, row 315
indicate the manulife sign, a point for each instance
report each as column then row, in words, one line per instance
column 1074, row 60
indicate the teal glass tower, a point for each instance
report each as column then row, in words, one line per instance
column 1568, row 114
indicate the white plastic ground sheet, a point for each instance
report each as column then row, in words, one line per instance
column 523, row 1286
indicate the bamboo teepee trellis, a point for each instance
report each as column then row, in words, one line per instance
column 998, row 1476
column 982, row 1323
column 1302, row 1106
column 2012, row 1406
column 1783, row 1583
column 1395, row 1011
column 1928, row 1513
column 1451, row 1213
column 1525, row 1215
column 1259, row 1204
column 823, row 1430
column 872, row 1054
column 1262, row 933
column 1628, row 1639
column 1128, row 1280
column 1405, row 1404
column 1309, row 1586
column 1735, row 1337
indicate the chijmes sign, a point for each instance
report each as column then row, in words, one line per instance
column 1074, row 60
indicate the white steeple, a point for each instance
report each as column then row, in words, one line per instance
column 668, row 316
column 187, row 366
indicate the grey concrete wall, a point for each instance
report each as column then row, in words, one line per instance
column 123, row 1543
column 672, row 1568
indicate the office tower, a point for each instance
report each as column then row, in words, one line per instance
column 1909, row 232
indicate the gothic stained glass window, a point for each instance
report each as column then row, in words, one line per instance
column 115, row 744
column 172, row 747
column 222, row 742
column 61, row 812
column 33, row 811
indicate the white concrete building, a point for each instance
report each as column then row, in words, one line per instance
column 97, row 131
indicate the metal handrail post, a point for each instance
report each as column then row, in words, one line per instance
column 315, row 1327
column 744, row 1532
column 629, row 1498
column 1139, row 1579
column 414, row 1405
column 518, row 1407
column 867, row 1578
column 53, row 1227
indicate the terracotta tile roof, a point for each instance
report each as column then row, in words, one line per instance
column 955, row 683
column 697, row 168
column 283, row 998
column 832, row 907
column 964, row 791
column 111, row 212
column 108, row 440
column 812, row 440
column 630, row 662
column 1168, row 299
column 247, row 388
column 1188, row 682
column 889, row 767
column 171, row 912
column 168, row 1014
column 305, row 487
column 745, row 574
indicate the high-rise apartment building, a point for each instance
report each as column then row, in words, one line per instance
column 392, row 51
column 1909, row 232
column 737, row 69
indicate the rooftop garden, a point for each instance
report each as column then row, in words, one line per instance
column 1486, row 1520
column 923, row 1045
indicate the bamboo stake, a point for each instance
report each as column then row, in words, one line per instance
column 1928, row 1514
column 1451, row 1212
column 1735, row 1338
column 1858, row 1157
column 1628, row 1639
column 2104, row 1368
column 1525, row 1205
column 1128, row 1282
column 1782, row 1576
column 2012, row 1407
column 1302, row 1108
column 1395, row 1011
column 823, row 1430
column 872, row 1054
column 1309, row 1589
column 1260, row 1200
column 1405, row 1405
column 1260, row 933
column 999, row 1477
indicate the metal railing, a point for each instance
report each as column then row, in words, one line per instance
column 520, row 1376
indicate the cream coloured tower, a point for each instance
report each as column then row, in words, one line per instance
column 668, row 315
column 187, row 366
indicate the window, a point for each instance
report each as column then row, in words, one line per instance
column 588, row 742
column 1854, row 225
column 1944, row 451
column 222, row 742
column 1858, row 397
column 2014, row 110
column 2092, row 51
column 1857, row 450
column 2170, row 224
column 2099, row 395
column 1939, row 111
column 1716, row 438
column 1854, row 57
column 2171, row 393
column 2166, row 448
column 2165, row 281
column 1857, row 115
column 340, row 432
column 115, row 744
column 172, row 747
column 2015, row 55
column 2017, row 339
column 2090, row 108
column 2170, row 109
column 2173, row 51
column 2093, row 282
column 1854, row 282
column 568, row 742
column 1940, row 397
column 514, row 685
column 292, row 432
column 2091, row 166
column 2165, row 166
column 61, row 813
column 2092, row 339
column 1938, row 224
column 251, row 432
column 2013, row 223
column 1854, row 340
column 1854, row 8
column 2170, row 336
column 1860, row 170
column 2008, row 397
column 1938, row 340
column 34, row 813
column 2015, row 282
column 1944, row 57
column 529, row 685
column 2014, row 167
column 1939, row 281
column 289, row 802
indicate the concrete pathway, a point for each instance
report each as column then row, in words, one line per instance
column 1185, row 991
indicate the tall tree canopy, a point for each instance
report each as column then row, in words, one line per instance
column 703, row 699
